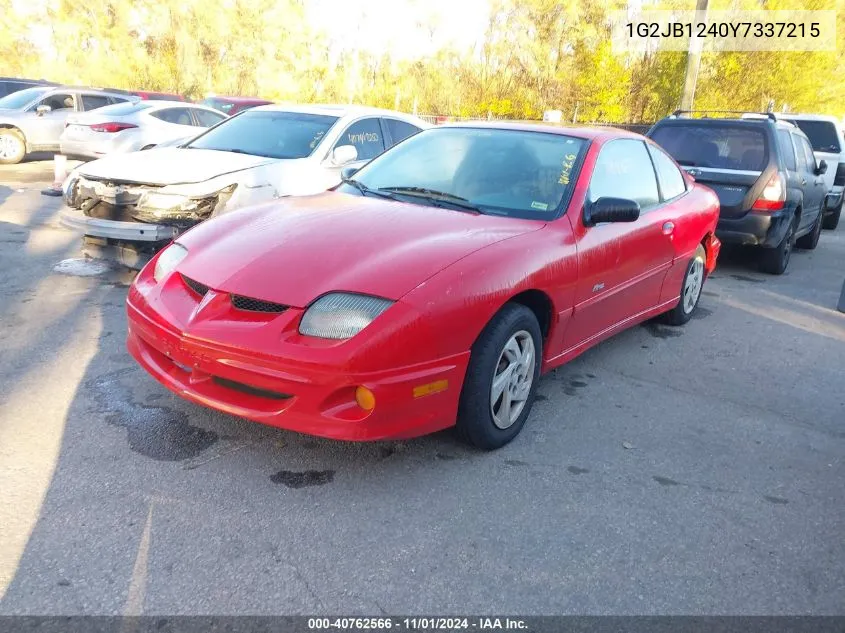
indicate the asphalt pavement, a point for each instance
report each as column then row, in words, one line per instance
column 694, row 470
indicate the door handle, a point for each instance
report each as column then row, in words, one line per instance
column 803, row 182
column 668, row 228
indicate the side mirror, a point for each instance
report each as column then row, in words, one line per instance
column 348, row 172
column 42, row 110
column 822, row 168
column 611, row 210
column 343, row 154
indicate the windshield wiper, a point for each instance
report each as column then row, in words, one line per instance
column 687, row 163
column 365, row 190
column 435, row 196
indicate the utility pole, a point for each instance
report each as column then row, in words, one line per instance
column 693, row 61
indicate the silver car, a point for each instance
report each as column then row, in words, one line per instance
column 129, row 127
column 32, row 120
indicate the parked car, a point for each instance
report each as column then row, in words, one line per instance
column 8, row 85
column 32, row 120
column 158, row 96
column 233, row 105
column 770, row 187
column 827, row 138
column 132, row 126
column 432, row 287
column 145, row 199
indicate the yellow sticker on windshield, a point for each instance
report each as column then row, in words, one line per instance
column 540, row 206
column 566, row 169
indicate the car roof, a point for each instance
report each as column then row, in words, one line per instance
column 588, row 133
column 239, row 99
column 339, row 111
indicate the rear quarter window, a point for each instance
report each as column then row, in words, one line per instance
column 786, row 149
column 734, row 147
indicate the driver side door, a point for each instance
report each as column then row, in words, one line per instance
column 45, row 129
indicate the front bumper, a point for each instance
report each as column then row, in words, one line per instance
column 755, row 228
column 116, row 230
column 292, row 393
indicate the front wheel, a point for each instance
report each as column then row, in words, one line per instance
column 690, row 290
column 12, row 147
column 832, row 221
column 501, row 378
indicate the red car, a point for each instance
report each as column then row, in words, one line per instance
column 431, row 288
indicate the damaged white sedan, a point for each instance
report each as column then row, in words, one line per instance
column 130, row 206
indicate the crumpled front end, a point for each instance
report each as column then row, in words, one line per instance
column 134, row 202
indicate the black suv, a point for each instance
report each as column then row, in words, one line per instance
column 770, row 188
column 8, row 85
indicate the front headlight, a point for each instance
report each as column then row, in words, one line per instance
column 168, row 260
column 341, row 315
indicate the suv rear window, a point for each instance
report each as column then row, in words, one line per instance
column 716, row 146
column 822, row 135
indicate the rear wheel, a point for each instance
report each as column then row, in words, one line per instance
column 811, row 240
column 690, row 290
column 12, row 147
column 501, row 378
column 832, row 221
column 776, row 260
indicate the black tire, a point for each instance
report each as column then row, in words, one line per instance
column 14, row 146
column 476, row 424
column 683, row 311
column 832, row 221
column 775, row 260
column 811, row 240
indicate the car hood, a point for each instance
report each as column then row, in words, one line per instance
column 292, row 251
column 170, row 166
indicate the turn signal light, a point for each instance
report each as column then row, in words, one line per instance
column 365, row 398
column 773, row 196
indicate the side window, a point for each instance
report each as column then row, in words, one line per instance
column 58, row 101
column 786, row 149
column 808, row 154
column 671, row 179
column 177, row 116
column 365, row 135
column 623, row 170
column 113, row 100
column 399, row 130
column 207, row 118
column 800, row 158
column 92, row 102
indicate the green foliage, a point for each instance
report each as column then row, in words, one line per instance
column 534, row 55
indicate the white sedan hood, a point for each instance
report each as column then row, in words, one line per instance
column 170, row 166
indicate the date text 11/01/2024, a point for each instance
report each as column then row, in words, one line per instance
column 418, row 624
column 723, row 29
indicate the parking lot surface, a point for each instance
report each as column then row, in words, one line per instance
column 696, row 470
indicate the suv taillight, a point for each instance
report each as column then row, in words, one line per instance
column 839, row 180
column 773, row 196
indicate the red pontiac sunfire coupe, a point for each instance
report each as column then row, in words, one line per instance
column 432, row 287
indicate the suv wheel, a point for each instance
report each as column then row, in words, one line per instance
column 775, row 260
column 811, row 240
column 12, row 147
column 832, row 221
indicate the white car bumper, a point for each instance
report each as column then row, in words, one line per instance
column 115, row 230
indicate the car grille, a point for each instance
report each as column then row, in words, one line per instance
column 840, row 175
column 256, row 305
column 196, row 286
column 249, row 389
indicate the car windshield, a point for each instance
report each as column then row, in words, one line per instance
column 269, row 133
column 822, row 135
column 726, row 146
column 502, row 172
column 17, row 100
column 219, row 104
